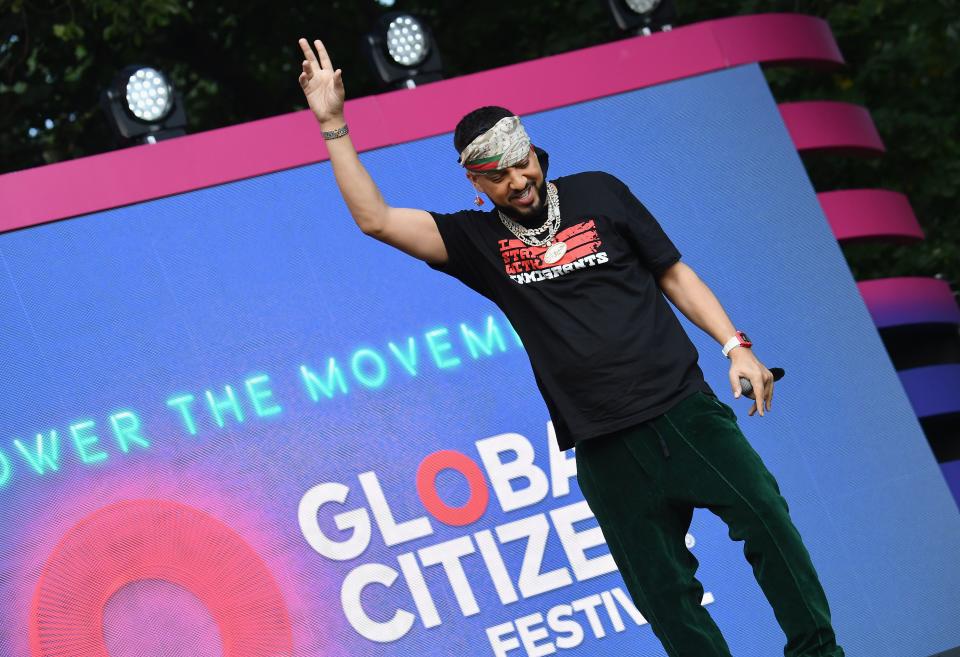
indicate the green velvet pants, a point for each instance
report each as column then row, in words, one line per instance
column 642, row 485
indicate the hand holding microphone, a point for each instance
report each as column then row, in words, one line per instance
column 746, row 387
column 741, row 340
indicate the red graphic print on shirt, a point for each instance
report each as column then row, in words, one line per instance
column 581, row 239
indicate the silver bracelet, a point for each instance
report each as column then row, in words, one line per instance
column 336, row 134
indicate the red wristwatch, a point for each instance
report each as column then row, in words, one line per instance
column 738, row 340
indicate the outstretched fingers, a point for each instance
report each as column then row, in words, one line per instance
column 324, row 57
column 310, row 65
column 307, row 50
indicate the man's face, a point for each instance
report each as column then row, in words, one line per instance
column 518, row 190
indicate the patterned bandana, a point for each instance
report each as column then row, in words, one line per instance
column 503, row 145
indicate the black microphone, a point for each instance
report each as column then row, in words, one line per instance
column 746, row 387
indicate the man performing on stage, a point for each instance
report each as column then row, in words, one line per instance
column 580, row 268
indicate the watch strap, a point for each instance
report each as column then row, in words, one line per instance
column 739, row 339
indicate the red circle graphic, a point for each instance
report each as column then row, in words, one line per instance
column 456, row 516
column 156, row 539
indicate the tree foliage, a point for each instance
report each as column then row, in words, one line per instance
column 240, row 62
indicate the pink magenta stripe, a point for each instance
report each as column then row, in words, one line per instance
column 141, row 173
column 817, row 125
column 909, row 300
column 859, row 214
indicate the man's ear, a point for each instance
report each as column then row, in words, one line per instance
column 472, row 177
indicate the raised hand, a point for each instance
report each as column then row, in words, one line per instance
column 322, row 84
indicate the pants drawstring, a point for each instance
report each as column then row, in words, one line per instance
column 663, row 443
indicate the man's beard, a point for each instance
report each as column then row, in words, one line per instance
column 533, row 219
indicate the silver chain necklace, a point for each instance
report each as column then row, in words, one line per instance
column 528, row 236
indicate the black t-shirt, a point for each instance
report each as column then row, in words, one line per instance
column 607, row 350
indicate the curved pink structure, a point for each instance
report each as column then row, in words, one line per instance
column 832, row 126
column 788, row 39
column 857, row 215
column 910, row 300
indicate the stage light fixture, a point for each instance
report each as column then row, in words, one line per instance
column 143, row 107
column 642, row 6
column 402, row 51
column 642, row 16
column 148, row 95
column 405, row 41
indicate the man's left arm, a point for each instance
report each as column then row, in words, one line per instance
column 697, row 302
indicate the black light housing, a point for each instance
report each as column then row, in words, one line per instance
column 642, row 16
column 402, row 51
column 143, row 107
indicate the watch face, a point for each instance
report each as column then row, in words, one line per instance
column 743, row 336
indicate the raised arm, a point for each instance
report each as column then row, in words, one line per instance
column 412, row 231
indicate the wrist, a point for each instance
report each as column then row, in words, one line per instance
column 331, row 122
column 738, row 341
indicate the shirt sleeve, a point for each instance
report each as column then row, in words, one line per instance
column 462, row 255
column 644, row 232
